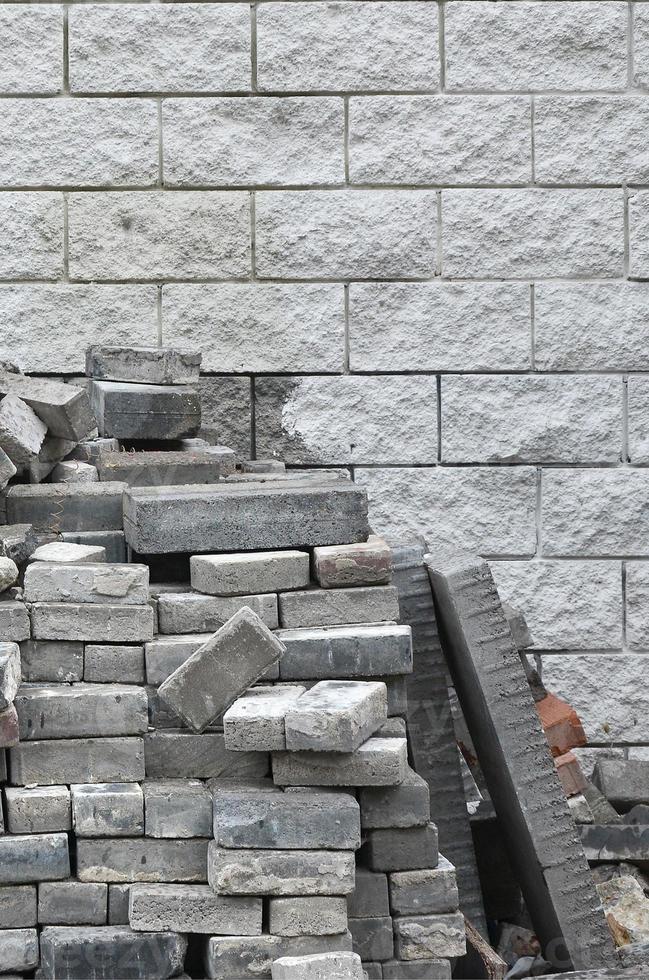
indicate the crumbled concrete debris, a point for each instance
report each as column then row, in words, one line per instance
column 626, row 908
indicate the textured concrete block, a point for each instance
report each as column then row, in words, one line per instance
column 92, row 623
column 10, row 673
column 113, row 664
column 152, row 469
column 247, row 574
column 226, row 957
column 638, row 412
column 73, row 471
column 332, row 607
column 118, row 899
column 346, row 651
column 267, row 141
column 21, row 432
column 140, row 859
column 58, row 711
column 527, row 419
column 152, row 235
column 402, row 849
column 99, row 952
column 111, row 541
column 58, row 507
column 183, row 755
column 405, row 805
column 141, row 411
column 221, row 670
column 76, row 760
column 71, row 903
column 33, row 857
column 378, row 762
column 32, row 235
column 177, row 808
column 349, row 47
column 17, row 906
column 223, row 518
column 424, row 139
column 534, row 232
column 32, row 59
column 193, row 908
column 319, row 966
column 317, row 916
column 336, row 716
column 165, row 653
column 38, row 809
column 19, row 949
column 105, row 583
column 107, row 810
column 189, row 612
column 255, row 722
column 424, row 937
column 51, row 660
column 370, row 896
column 433, row 890
column 14, row 621
column 286, row 821
column 553, row 46
column 140, row 49
column 341, row 234
column 365, row 563
column 372, row 938
column 63, row 408
column 623, row 783
column 278, row 873
column 63, row 552
column 145, row 365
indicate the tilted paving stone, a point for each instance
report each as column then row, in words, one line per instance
column 107, row 809
column 145, row 411
column 312, row 916
column 420, row 937
column 405, row 805
column 113, row 663
column 56, row 507
column 10, row 673
column 62, row 903
column 63, row 408
column 18, row 906
column 37, row 809
column 195, row 613
column 153, row 468
column 59, row 661
column 58, row 711
column 365, row 563
column 336, row 716
column 226, row 956
column 177, row 808
column 255, row 722
column 144, row 365
column 278, row 873
column 378, row 762
column 21, row 433
column 181, row 754
column 76, row 760
column 19, row 949
column 139, row 859
column 96, row 623
column 195, row 909
column 96, row 952
column 247, row 574
column 322, row 966
column 333, row 607
column 355, row 652
column 33, row 857
column 429, row 890
column 402, row 849
column 99, row 583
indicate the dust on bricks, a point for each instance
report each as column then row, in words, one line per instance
column 177, row 808
column 62, row 903
column 140, row 859
column 256, row 721
column 378, row 762
column 92, row 622
column 97, row 583
column 67, row 507
column 37, row 809
column 333, row 607
column 187, row 612
column 364, row 563
column 144, row 411
column 58, row 711
column 354, row 652
column 79, row 953
column 154, row 469
column 107, row 809
column 64, row 552
column 281, row 873
column 33, row 857
column 212, row 678
column 247, row 574
column 336, row 716
column 193, row 908
column 143, row 365
column 77, row 760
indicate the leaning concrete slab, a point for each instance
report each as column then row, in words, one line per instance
column 64, row 409
column 517, row 764
column 21, row 431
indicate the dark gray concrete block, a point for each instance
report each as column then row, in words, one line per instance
column 177, row 754
column 143, row 411
column 336, row 716
column 420, row 892
column 143, row 365
column 333, row 607
column 405, row 805
column 378, row 762
column 421, row 937
column 118, row 899
column 255, row 722
column 59, row 711
column 417, row 970
column 338, row 652
column 14, row 621
column 230, row 957
column 18, row 949
column 177, row 808
column 615, row 842
column 76, row 760
column 159, row 469
column 58, row 661
column 56, row 507
column 370, row 896
column 624, row 782
column 72, row 903
column 93, row 623
column 107, row 663
column 191, row 612
column 127, row 859
column 318, row 915
column 107, row 809
column 102, row 953
column 402, row 849
column 33, row 857
column 112, row 541
column 18, row 542
column 195, row 909
column 372, row 938
column 37, row 809
column 17, row 906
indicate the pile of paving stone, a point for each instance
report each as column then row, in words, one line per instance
column 206, row 764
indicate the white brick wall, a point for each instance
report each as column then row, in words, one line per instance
column 411, row 238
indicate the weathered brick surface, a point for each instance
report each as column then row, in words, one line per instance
column 31, row 52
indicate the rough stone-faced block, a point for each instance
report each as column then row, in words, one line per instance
column 638, row 224
column 76, row 760
column 193, row 908
column 255, row 722
column 316, row 916
column 140, row 859
column 151, row 235
column 63, row 408
column 286, row 821
column 111, row 541
column 221, row 670
column 63, row 552
column 113, row 664
column 532, row 232
column 144, row 365
column 188, row 612
column 332, row 607
column 51, row 660
column 21, row 432
column 32, row 59
column 152, row 469
column 177, row 808
column 228, row 518
column 420, row 892
column 422, row 937
column 405, row 805
column 58, row 711
column 71, row 903
column 638, row 412
column 34, row 222
column 378, row 762
column 402, row 849
column 341, row 234
column 105, row 583
column 17, row 906
column 107, row 810
column 267, row 141
column 319, row 966
column 346, row 651
column 247, row 574
column 100, row 952
column 58, row 507
column 336, row 716
column 254, row 957
column 370, row 896
column 550, row 47
column 93, row 623
column 366, row 563
column 10, row 673
column 38, row 809
column 183, row 755
column 142, row 411
column 372, row 938
column 423, row 139
column 527, row 419
column 19, row 949
column 33, row 857
column 344, row 47
column 14, row 621
column 259, row 872
column 196, row 49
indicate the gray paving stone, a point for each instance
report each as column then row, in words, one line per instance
column 165, row 653
column 623, row 782
column 333, row 607
column 365, row 563
column 419, row 892
column 64, row 409
column 319, row 966
column 10, row 673
column 372, row 938
column 144, row 365
column 33, row 857
column 183, row 755
column 118, row 899
column 18, row 949
column 60, row 711
column 112, row 541
column 421, row 937
column 370, row 896
column 279, row 873
column 402, row 849
column 336, row 716
column 417, row 970
column 309, row 916
column 221, row 670
column 191, row 612
column 255, row 722
column 246, row 574
column 405, row 805
column 97, row 760
column 154, row 468
column 144, row 411
column 71, row 903
column 139, row 859
column 14, row 621
column 37, row 809
column 346, row 651
column 243, row 518
column 195, row 909
column 89, row 450
column 287, row 821
column 378, row 762
column 17, row 906
column 51, row 660
column 177, row 808
column 103, row 582
column 113, row 664
column 107, row 809
column 102, row 952
column 58, row 507
column 94, row 623
column 247, row 957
